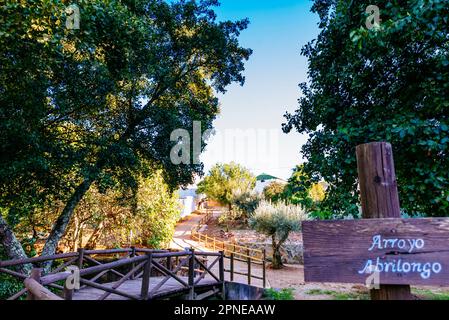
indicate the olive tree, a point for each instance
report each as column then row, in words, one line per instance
column 277, row 220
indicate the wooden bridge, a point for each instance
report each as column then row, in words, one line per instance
column 243, row 261
column 127, row 274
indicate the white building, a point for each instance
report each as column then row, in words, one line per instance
column 189, row 199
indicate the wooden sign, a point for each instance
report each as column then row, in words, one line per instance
column 399, row 251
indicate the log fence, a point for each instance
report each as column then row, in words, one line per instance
column 232, row 252
column 152, row 269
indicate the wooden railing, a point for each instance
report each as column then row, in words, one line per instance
column 140, row 264
column 232, row 252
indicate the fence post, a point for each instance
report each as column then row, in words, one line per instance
column 249, row 266
column 232, row 266
column 264, row 265
column 380, row 199
column 222, row 275
column 35, row 275
column 169, row 263
column 192, row 274
column 68, row 293
column 80, row 258
column 146, row 278
column 133, row 254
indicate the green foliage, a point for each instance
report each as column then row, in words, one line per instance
column 302, row 190
column 391, row 84
column 8, row 284
column 245, row 202
column 277, row 220
column 147, row 216
column 158, row 211
column 98, row 105
column 243, row 206
column 226, row 180
column 427, row 294
column 228, row 219
column 339, row 295
column 283, row 294
column 298, row 187
column 274, row 192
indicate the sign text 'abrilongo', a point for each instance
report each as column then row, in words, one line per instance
column 401, row 251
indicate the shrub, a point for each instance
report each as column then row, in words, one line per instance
column 8, row 284
column 246, row 202
column 277, row 220
column 283, row 294
column 274, row 192
column 224, row 179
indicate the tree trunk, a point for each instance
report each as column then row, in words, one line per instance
column 12, row 246
column 61, row 224
column 277, row 258
column 74, row 244
column 80, row 236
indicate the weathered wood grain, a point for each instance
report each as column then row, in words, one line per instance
column 38, row 292
column 335, row 251
column 133, row 289
column 380, row 199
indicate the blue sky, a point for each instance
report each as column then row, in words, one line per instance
column 277, row 32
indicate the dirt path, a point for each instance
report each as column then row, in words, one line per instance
column 182, row 240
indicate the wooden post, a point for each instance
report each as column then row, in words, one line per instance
column 264, row 265
column 192, row 274
column 232, row 266
column 67, row 293
column 222, row 275
column 35, row 275
column 146, row 278
column 169, row 263
column 249, row 266
column 80, row 258
column 133, row 254
column 380, row 199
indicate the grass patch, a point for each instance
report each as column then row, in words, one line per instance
column 423, row 294
column 426, row 294
column 338, row 295
column 283, row 294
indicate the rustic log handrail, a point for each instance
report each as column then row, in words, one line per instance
column 91, row 270
column 38, row 291
column 15, row 262
column 37, row 288
column 232, row 251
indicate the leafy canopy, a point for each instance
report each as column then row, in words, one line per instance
column 390, row 83
column 97, row 105
column 226, row 181
column 274, row 191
